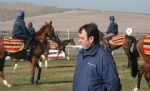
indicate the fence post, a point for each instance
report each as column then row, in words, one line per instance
column 68, row 46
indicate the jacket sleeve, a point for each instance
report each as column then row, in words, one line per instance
column 115, row 28
column 25, row 31
column 109, row 73
column 17, row 30
column 31, row 30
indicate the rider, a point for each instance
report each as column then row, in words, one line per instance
column 20, row 30
column 112, row 30
column 31, row 31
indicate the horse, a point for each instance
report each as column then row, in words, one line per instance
column 38, row 47
column 143, row 47
column 61, row 46
column 127, row 42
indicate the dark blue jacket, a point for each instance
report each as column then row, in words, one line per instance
column 96, row 71
column 113, row 28
column 31, row 31
column 20, row 30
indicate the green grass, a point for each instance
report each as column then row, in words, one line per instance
column 58, row 76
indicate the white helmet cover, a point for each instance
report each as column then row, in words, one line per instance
column 129, row 31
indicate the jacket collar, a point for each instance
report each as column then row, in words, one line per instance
column 90, row 51
column 20, row 18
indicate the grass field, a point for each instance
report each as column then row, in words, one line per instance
column 58, row 76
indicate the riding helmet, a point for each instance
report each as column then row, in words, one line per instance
column 20, row 13
column 112, row 18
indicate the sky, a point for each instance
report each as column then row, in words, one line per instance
column 135, row 6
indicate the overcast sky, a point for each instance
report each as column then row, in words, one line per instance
column 138, row 6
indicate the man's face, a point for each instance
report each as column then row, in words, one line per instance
column 84, row 40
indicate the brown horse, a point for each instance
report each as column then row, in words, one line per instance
column 128, row 44
column 61, row 47
column 37, row 50
column 143, row 47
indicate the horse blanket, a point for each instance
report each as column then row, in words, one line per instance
column 146, row 45
column 13, row 45
column 117, row 40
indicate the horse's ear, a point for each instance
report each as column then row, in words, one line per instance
column 46, row 22
column 50, row 22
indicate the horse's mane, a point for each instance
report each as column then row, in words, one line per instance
column 41, row 29
column 101, row 35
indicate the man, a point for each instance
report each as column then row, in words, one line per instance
column 31, row 29
column 112, row 29
column 19, row 29
column 95, row 70
column 31, row 32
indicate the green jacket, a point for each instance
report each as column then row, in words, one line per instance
column 31, row 31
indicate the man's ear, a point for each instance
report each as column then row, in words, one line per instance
column 91, row 39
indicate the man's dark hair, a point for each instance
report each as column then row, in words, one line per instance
column 91, row 30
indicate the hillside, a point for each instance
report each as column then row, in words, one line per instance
column 73, row 19
column 8, row 10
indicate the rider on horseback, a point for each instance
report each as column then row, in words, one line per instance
column 20, row 30
column 112, row 30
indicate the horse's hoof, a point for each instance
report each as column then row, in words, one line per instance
column 135, row 89
column 32, row 82
column 8, row 85
column 36, row 82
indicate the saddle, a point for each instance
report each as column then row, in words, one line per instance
column 146, row 45
column 13, row 45
column 115, row 41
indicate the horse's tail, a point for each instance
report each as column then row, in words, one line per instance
column 134, row 59
column 134, row 64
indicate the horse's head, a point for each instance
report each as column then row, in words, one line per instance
column 130, row 43
column 101, row 35
column 101, row 39
column 72, row 42
column 50, row 31
column 127, row 43
column 47, row 30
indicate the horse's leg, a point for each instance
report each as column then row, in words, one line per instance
column 58, row 54
column 147, row 80
column 129, row 61
column 66, row 55
column 46, row 61
column 140, row 73
column 139, row 79
column 2, row 62
column 16, row 64
column 41, row 59
column 126, row 50
column 39, row 73
column 33, row 65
